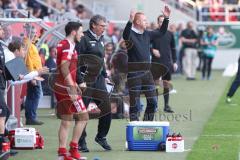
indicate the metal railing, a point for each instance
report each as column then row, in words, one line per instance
column 49, row 6
column 222, row 13
column 23, row 14
column 186, row 6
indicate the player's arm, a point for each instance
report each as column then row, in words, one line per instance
column 73, row 88
column 66, row 57
column 127, row 29
column 173, row 49
column 164, row 27
column 81, row 48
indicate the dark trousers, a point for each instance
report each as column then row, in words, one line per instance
column 32, row 100
column 207, row 66
column 235, row 83
column 52, row 99
column 3, row 106
column 142, row 82
column 97, row 92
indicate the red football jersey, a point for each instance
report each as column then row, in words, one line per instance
column 66, row 51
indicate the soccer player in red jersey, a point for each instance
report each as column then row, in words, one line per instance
column 68, row 93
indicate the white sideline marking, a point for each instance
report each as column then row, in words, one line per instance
column 221, row 135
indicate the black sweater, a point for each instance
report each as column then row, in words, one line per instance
column 2, row 68
column 139, row 44
column 167, row 49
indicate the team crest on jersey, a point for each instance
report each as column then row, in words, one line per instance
column 93, row 43
column 102, row 43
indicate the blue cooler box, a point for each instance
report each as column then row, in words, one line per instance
column 146, row 136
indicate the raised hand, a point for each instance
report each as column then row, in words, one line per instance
column 132, row 15
column 166, row 12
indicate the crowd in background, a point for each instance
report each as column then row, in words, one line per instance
column 48, row 10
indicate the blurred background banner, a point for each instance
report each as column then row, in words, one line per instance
column 228, row 34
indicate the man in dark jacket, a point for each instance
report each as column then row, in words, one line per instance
column 235, row 85
column 51, row 64
column 91, row 55
column 4, row 111
column 139, row 76
column 164, row 53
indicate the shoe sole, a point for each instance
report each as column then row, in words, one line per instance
column 82, row 158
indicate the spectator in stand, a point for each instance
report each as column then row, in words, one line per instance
column 233, row 15
column 33, row 4
column 42, row 53
column 22, row 4
column 51, row 61
column 7, row 34
column 205, row 10
column 37, row 12
column 70, row 5
column 8, row 4
column 109, row 50
column 116, row 36
column 232, row 1
column 81, row 11
column 215, row 9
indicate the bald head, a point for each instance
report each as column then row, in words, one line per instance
column 140, row 21
column 138, row 17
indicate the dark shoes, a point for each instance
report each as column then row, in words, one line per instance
column 168, row 109
column 190, row 78
column 33, row 122
column 103, row 142
column 83, row 147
